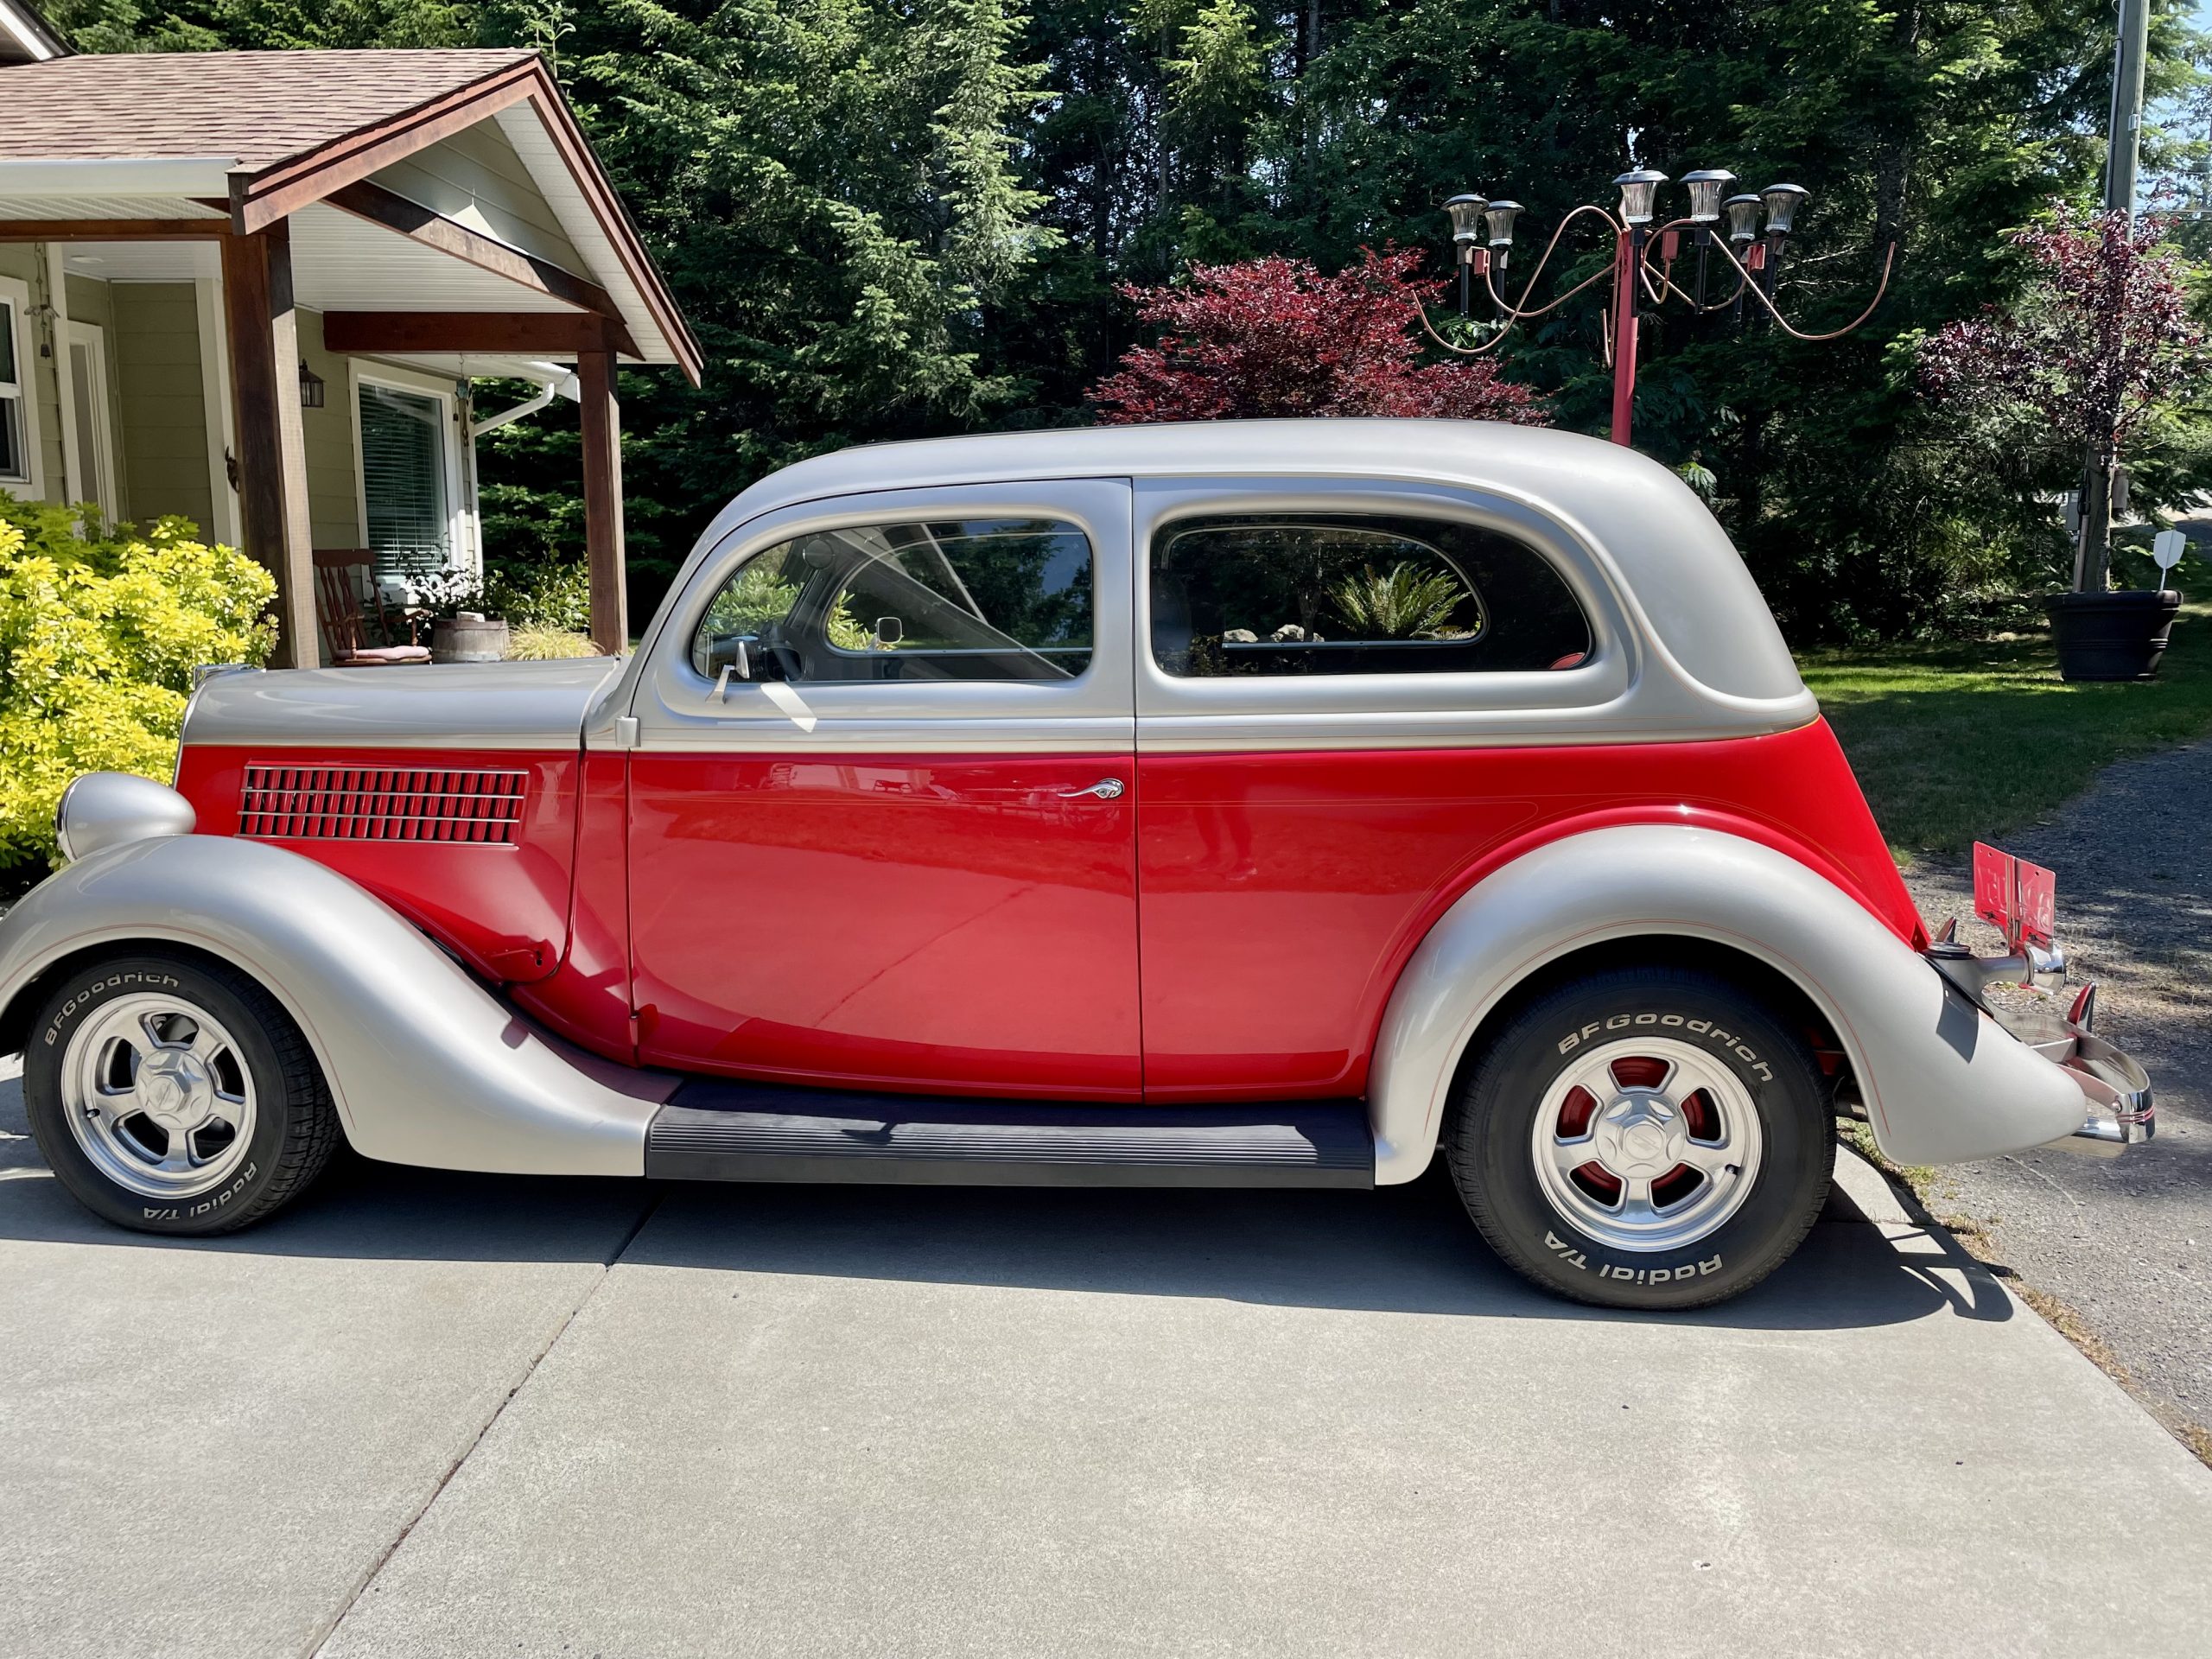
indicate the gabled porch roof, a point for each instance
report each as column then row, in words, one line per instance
column 442, row 208
column 155, row 146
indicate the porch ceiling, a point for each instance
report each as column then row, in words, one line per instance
column 340, row 263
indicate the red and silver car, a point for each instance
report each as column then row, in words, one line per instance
column 1266, row 803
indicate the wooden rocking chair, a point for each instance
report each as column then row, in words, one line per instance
column 341, row 575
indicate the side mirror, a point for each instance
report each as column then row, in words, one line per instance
column 889, row 631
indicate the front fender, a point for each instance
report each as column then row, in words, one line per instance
column 425, row 1065
column 1943, row 1083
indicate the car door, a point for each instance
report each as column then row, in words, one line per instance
column 1347, row 693
column 881, row 825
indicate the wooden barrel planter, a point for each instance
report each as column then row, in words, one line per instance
column 469, row 638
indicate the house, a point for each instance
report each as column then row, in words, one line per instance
column 263, row 290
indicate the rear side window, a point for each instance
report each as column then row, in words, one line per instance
column 985, row 598
column 1277, row 594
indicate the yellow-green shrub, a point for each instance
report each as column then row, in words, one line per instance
column 530, row 643
column 98, row 636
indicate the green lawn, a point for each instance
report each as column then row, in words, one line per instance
column 1955, row 743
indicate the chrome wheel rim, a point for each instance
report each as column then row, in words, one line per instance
column 158, row 1096
column 1647, row 1144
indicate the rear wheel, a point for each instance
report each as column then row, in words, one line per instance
column 1644, row 1138
column 174, row 1095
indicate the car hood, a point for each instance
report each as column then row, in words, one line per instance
column 448, row 705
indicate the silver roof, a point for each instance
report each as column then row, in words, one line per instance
column 1674, row 561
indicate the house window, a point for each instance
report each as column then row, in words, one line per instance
column 406, row 480
column 16, row 434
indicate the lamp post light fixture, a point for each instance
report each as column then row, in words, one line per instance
column 1753, row 259
column 1639, row 192
column 1705, row 186
column 1499, row 216
column 1782, row 201
column 1466, row 214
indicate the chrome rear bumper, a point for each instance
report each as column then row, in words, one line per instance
column 2115, row 1089
column 2117, row 1109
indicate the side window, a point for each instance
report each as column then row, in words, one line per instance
column 1274, row 594
column 978, row 598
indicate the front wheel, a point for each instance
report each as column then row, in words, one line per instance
column 1644, row 1138
column 172, row 1094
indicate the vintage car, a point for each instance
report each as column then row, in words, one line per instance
column 1259, row 804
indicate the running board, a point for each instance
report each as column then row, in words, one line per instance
column 718, row 1131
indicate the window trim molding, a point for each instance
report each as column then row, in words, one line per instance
column 16, row 294
column 104, row 460
column 677, row 710
column 465, row 544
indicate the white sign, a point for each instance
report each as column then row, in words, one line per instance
column 2167, row 549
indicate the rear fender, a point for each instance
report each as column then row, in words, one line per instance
column 425, row 1065
column 1942, row 1082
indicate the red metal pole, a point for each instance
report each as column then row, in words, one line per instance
column 1627, row 253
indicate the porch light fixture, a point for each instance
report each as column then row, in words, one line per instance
column 311, row 388
column 1704, row 187
column 1782, row 201
column 1499, row 216
column 1743, row 217
column 1466, row 213
column 1637, row 191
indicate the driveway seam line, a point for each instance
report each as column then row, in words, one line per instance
column 321, row 1637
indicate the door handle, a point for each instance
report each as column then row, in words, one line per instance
column 1106, row 789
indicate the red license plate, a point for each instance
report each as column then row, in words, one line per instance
column 2019, row 899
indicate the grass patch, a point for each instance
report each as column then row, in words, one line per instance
column 1957, row 743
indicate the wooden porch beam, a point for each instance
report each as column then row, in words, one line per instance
column 272, row 448
column 112, row 229
column 536, row 333
column 602, row 424
column 393, row 212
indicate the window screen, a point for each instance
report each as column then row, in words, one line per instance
column 983, row 599
column 1275, row 594
column 403, row 482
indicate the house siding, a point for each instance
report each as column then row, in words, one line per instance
column 161, row 421
column 476, row 178
column 334, row 500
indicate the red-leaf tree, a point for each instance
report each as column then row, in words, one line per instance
column 2098, row 346
column 1275, row 337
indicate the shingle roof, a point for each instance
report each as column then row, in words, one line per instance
column 258, row 108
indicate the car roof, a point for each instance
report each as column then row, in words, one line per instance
column 1683, row 575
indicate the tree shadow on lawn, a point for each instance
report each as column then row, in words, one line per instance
column 1407, row 1250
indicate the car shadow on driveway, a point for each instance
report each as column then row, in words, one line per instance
column 1396, row 1250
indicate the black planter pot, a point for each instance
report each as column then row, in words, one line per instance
column 2111, row 636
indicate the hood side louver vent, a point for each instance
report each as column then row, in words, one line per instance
column 380, row 804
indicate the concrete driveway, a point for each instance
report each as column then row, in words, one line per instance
column 437, row 1415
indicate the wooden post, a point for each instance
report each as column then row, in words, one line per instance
column 272, row 449
column 602, row 421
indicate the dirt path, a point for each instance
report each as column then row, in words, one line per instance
column 2126, row 1244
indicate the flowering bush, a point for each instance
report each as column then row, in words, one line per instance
column 446, row 592
column 99, row 633
column 1274, row 337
